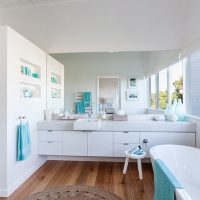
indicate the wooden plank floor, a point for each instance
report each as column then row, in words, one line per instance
column 103, row 175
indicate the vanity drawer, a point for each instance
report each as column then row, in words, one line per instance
column 49, row 135
column 50, row 148
column 126, row 137
column 120, row 148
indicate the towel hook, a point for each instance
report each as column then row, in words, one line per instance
column 21, row 118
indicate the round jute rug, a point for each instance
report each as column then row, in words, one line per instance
column 74, row 193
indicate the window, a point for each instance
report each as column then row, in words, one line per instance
column 168, row 84
column 153, row 103
column 176, row 81
column 163, row 89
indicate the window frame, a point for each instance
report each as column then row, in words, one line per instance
column 185, row 83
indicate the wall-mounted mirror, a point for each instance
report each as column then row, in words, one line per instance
column 108, row 94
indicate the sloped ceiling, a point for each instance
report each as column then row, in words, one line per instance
column 98, row 25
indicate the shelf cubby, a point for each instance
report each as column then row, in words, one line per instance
column 29, row 90
column 55, row 93
column 29, row 69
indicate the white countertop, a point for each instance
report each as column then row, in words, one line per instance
column 131, row 125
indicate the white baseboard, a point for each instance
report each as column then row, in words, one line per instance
column 95, row 159
column 13, row 187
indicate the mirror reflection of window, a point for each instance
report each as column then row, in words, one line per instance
column 108, row 94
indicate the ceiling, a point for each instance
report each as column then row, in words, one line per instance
column 24, row 3
column 61, row 26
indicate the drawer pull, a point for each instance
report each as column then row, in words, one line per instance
column 50, row 142
column 50, row 130
column 125, row 131
column 126, row 144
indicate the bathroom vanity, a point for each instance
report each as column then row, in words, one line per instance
column 58, row 137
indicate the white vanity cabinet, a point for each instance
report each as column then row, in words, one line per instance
column 123, row 141
column 100, row 144
column 150, row 139
column 50, row 142
column 74, row 143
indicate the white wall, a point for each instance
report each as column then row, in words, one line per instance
column 101, row 25
column 192, row 28
column 82, row 70
column 3, row 113
column 15, row 48
column 158, row 60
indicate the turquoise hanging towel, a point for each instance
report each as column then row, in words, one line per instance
column 165, row 183
column 80, row 109
column 86, row 99
column 23, row 142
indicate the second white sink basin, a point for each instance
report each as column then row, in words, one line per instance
column 87, row 124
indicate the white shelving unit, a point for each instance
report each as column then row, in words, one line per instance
column 30, row 80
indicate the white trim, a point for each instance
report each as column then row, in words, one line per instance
column 14, row 186
column 97, row 159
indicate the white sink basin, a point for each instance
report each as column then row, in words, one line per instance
column 87, row 124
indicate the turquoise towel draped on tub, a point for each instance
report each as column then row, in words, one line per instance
column 23, row 142
column 86, row 99
column 165, row 183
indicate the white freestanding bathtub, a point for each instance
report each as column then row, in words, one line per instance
column 184, row 163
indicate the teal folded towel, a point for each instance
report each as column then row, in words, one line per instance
column 80, row 109
column 165, row 183
column 23, row 142
column 86, row 98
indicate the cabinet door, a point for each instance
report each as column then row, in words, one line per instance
column 50, row 142
column 158, row 138
column 49, row 135
column 75, row 143
column 100, row 144
column 50, row 148
column 126, row 137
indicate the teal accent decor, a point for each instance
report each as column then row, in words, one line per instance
column 86, row 99
column 80, row 109
column 165, row 182
column 23, row 142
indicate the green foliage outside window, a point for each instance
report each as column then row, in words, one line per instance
column 163, row 99
column 177, row 94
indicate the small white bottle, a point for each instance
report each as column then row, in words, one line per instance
column 103, row 115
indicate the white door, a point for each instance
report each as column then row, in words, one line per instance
column 150, row 139
column 74, row 143
column 100, row 144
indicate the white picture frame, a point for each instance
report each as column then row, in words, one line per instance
column 132, row 95
column 132, row 82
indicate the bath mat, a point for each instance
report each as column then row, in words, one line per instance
column 74, row 193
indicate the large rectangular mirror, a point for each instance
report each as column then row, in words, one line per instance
column 108, row 94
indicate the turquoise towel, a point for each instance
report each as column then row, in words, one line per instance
column 86, row 98
column 80, row 109
column 164, row 182
column 23, row 142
